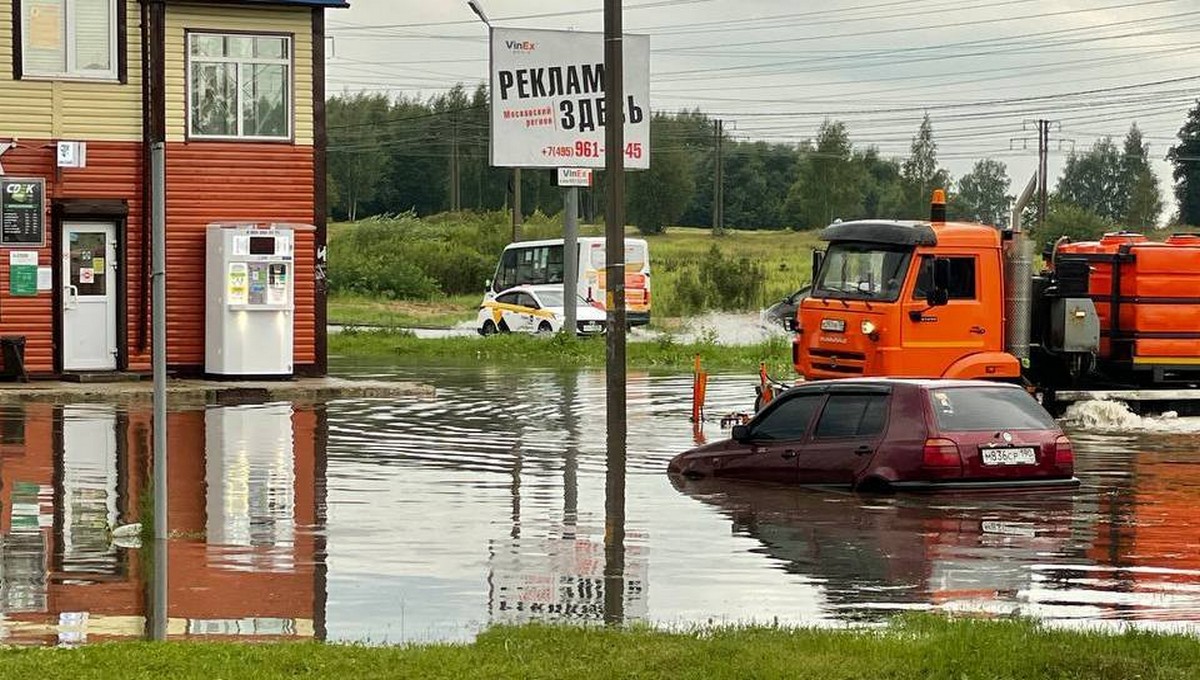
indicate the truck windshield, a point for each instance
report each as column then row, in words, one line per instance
column 864, row 271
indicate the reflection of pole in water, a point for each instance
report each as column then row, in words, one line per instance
column 570, row 456
column 320, row 515
column 514, row 486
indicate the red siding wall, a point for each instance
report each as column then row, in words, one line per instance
column 113, row 172
column 216, row 181
column 206, row 182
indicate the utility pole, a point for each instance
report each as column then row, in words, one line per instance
column 718, row 210
column 1043, row 152
column 1043, row 148
column 455, row 190
column 516, row 205
column 614, row 247
column 570, row 259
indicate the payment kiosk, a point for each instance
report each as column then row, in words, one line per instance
column 250, row 300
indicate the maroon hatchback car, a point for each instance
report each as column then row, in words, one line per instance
column 884, row 434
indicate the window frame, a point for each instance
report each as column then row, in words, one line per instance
column 819, row 399
column 118, row 47
column 289, row 96
column 885, row 398
column 917, row 294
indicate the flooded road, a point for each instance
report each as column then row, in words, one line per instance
column 383, row 521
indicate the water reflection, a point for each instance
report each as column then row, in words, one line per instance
column 377, row 520
column 245, row 504
column 515, row 463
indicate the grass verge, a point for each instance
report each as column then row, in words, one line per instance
column 920, row 647
column 559, row 351
column 445, row 312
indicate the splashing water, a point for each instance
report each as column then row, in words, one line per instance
column 1113, row 416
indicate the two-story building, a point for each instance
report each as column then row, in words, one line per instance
column 235, row 89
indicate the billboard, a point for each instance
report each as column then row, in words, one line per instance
column 548, row 99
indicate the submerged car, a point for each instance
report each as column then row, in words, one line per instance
column 893, row 435
column 536, row 310
column 783, row 312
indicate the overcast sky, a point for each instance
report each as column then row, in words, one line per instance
column 773, row 69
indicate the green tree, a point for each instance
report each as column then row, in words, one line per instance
column 1068, row 219
column 828, row 185
column 1093, row 181
column 1186, row 158
column 356, row 157
column 921, row 172
column 983, row 194
column 1143, row 202
column 658, row 196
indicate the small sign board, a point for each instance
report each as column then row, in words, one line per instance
column 72, row 154
column 22, row 212
column 23, row 273
column 574, row 177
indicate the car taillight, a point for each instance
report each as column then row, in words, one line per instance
column 1064, row 453
column 941, row 453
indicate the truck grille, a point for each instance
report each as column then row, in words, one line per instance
column 849, row 363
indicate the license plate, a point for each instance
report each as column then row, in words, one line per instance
column 591, row 326
column 833, row 325
column 1021, row 456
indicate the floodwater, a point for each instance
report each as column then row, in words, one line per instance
column 386, row 521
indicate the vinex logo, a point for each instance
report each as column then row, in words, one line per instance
column 520, row 45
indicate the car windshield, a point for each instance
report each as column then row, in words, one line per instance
column 867, row 271
column 967, row 409
column 551, row 298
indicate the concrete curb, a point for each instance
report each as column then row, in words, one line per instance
column 183, row 393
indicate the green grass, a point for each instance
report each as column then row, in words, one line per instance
column 559, row 351
column 353, row 309
column 786, row 257
column 920, row 648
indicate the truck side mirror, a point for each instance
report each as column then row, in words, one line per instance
column 818, row 256
column 940, row 294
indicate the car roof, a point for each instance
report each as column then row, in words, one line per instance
column 923, row 383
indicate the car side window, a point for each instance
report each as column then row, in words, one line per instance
column 852, row 415
column 507, row 299
column 526, row 300
column 962, row 278
column 788, row 419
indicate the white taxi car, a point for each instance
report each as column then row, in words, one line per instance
column 535, row 310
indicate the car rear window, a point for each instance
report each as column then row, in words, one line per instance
column 964, row 409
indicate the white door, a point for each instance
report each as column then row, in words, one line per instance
column 89, row 295
column 89, row 488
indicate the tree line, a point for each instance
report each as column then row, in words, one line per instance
column 425, row 156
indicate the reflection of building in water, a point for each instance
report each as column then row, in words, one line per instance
column 251, row 479
column 560, row 579
column 249, row 473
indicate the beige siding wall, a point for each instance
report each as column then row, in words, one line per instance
column 294, row 20
column 71, row 109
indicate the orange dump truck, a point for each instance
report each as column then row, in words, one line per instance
column 1119, row 317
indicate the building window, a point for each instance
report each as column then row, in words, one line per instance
column 239, row 86
column 69, row 39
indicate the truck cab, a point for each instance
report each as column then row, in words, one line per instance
column 905, row 299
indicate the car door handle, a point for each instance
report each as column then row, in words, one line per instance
column 788, row 454
column 863, row 450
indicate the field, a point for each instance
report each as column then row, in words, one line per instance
column 430, row 272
